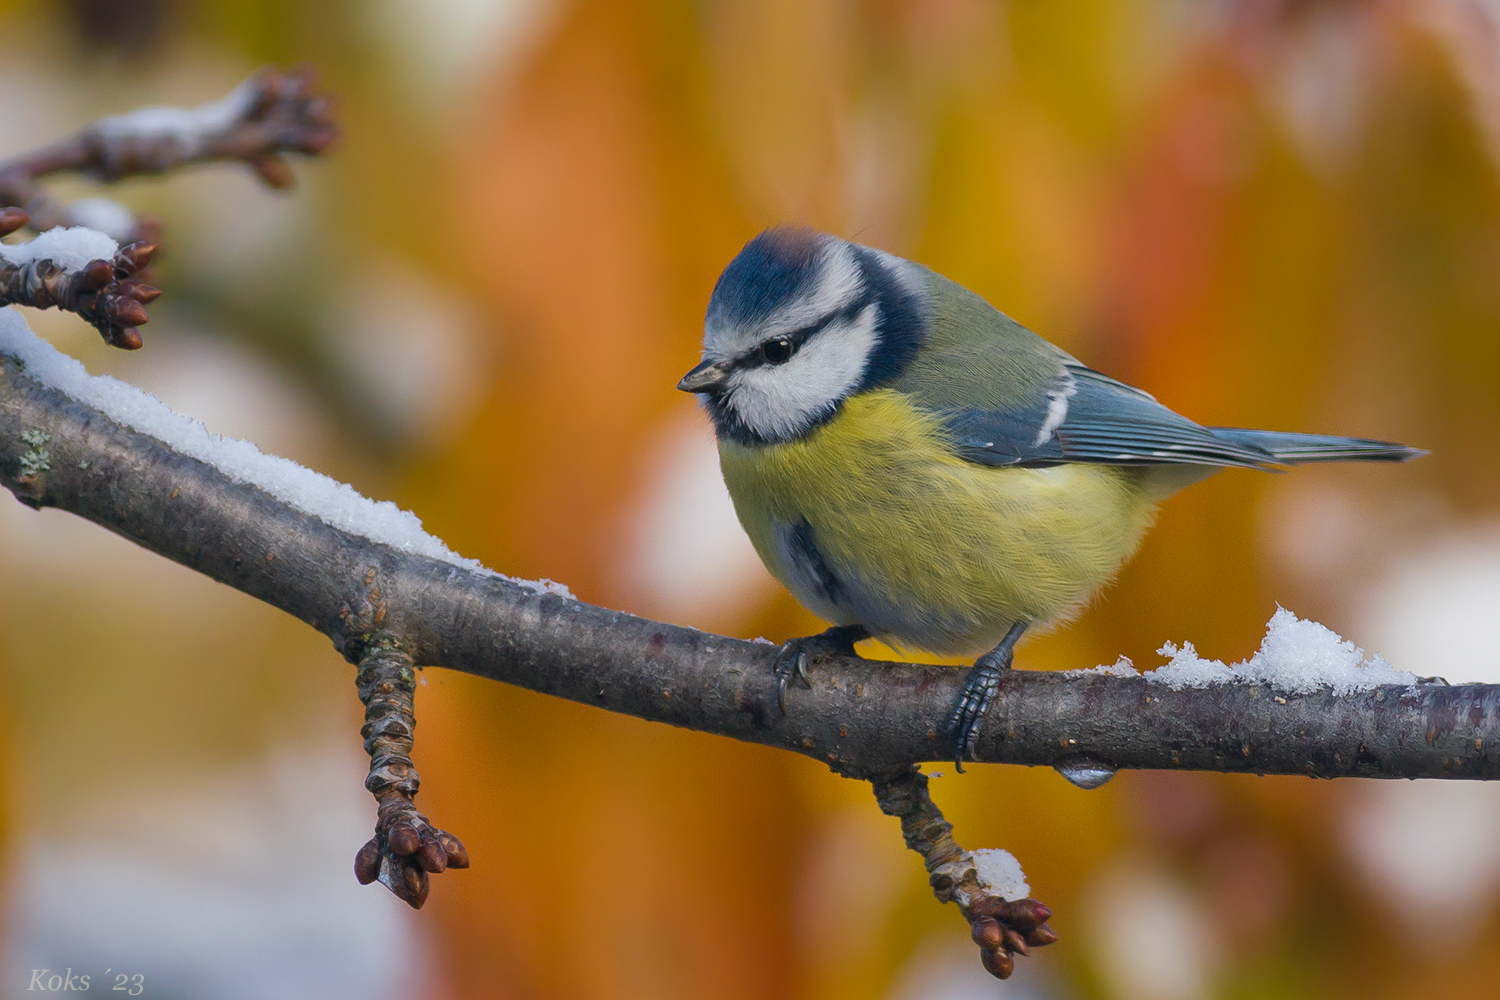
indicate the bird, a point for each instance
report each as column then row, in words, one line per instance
column 916, row 466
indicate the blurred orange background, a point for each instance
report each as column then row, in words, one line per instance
column 1268, row 214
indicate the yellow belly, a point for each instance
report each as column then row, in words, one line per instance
column 929, row 549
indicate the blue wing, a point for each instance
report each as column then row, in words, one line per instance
column 1009, row 398
column 1087, row 417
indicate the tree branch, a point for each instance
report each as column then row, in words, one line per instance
column 271, row 114
column 862, row 717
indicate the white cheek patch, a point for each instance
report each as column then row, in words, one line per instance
column 781, row 401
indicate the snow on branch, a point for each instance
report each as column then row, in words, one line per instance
column 272, row 114
column 232, row 506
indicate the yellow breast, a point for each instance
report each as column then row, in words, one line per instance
column 925, row 547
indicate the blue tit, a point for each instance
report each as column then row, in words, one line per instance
column 915, row 465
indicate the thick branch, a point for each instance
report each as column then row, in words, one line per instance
column 861, row 717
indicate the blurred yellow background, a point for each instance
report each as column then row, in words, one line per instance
column 1269, row 214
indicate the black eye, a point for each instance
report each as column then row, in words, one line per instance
column 776, row 351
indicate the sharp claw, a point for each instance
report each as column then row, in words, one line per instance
column 960, row 746
column 980, row 688
column 791, row 665
column 792, row 662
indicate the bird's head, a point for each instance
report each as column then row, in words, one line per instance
column 798, row 322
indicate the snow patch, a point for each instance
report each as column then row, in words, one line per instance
column 70, row 248
column 189, row 129
column 330, row 501
column 1123, row 667
column 1296, row 656
column 1000, row 873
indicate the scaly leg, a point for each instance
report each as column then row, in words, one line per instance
column 979, row 690
column 791, row 662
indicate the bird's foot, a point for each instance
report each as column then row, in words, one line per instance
column 791, row 662
column 979, row 690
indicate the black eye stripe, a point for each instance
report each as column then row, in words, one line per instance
column 755, row 357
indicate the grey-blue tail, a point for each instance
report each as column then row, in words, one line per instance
column 1299, row 449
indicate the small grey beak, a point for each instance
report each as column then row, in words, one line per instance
column 707, row 376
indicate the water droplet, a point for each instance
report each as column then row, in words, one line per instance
column 1085, row 771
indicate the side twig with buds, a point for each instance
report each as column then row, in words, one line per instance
column 106, row 293
column 1003, row 928
column 406, row 848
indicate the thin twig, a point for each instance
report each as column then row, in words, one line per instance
column 272, row 114
column 406, row 848
column 1003, row 928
